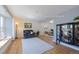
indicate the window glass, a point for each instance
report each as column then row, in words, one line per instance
column 2, row 27
column 5, row 27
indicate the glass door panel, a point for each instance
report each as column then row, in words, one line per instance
column 70, row 33
column 76, row 39
column 64, row 32
column 67, row 33
column 58, row 32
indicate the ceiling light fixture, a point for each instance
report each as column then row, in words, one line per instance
column 51, row 21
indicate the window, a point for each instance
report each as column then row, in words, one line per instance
column 1, row 27
column 5, row 27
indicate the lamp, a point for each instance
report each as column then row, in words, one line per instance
column 16, row 29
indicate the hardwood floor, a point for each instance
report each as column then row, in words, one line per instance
column 16, row 47
column 58, row 49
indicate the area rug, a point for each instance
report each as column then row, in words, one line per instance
column 34, row 46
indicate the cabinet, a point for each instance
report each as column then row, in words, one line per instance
column 68, row 33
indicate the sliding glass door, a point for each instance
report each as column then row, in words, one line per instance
column 76, row 34
column 2, row 28
column 5, row 27
column 67, row 33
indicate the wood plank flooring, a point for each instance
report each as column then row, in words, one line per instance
column 58, row 49
column 16, row 47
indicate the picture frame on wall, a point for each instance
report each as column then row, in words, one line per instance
column 27, row 25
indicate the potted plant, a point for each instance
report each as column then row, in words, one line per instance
column 76, row 19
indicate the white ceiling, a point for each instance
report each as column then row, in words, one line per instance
column 3, row 11
column 38, row 12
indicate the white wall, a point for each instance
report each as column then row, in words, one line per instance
column 45, row 26
column 68, row 16
column 35, row 25
column 20, row 26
